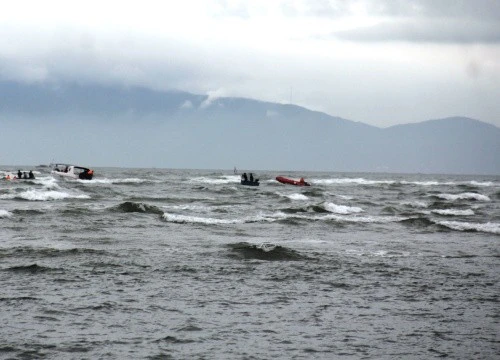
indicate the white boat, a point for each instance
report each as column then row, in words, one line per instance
column 72, row 171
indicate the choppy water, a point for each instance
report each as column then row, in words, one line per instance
column 189, row 264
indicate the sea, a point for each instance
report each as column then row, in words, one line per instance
column 189, row 264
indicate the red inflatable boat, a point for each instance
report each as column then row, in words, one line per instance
column 285, row 180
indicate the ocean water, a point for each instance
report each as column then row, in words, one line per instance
column 189, row 264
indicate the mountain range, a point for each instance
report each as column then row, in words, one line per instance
column 100, row 125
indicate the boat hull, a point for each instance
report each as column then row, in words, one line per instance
column 285, row 180
column 250, row 183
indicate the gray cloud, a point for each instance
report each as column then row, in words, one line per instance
column 216, row 53
column 430, row 21
column 427, row 31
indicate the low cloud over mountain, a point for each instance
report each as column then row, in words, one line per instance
column 136, row 127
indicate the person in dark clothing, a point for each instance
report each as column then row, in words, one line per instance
column 31, row 175
column 19, row 174
column 251, row 177
column 244, row 177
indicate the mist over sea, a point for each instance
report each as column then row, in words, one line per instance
column 189, row 264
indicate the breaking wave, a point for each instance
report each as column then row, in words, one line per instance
column 297, row 197
column 492, row 228
column 5, row 214
column 463, row 196
column 44, row 195
column 186, row 219
column 454, row 212
column 117, row 181
column 342, row 209
column 349, row 181
column 226, row 179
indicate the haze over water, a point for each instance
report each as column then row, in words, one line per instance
column 156, row 263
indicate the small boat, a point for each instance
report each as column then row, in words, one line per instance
column 250, row 183
column 72, row 171
column 285, row 180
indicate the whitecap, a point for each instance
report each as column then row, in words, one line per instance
column 342, row 209
column 415, row 204
column 227, row 179
column 5, row 214
column 43, row 195
column 365, row 219
column 198, row 220
column 467, row 226
column 344, row 197
column 356, row 181
column 114, row 181
column 266, row 247
column 297, row 197
column 464, row 196
column 482, row 183
column 454, row 212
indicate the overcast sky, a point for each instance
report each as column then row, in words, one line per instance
column 380, row 62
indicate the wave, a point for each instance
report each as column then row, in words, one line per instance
column 5, row 214
column 352, row 181
column 264, row 251
column 418, row 222
column 453, row 212
column 492, row 228
column 297, row 197
column 226, row 179
column 463, row 196
column 49, row 252
column 363, row 181
column 129, row 206
column 188, row 219
column 363, row 219
column 118, row 181
column 43, row 195
column 483, row 183
column 33, row 269
column 416, row 204
column 288, row 216
column 342, row 209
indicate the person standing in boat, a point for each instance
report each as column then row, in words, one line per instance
column 244, row 177
column 31, row 175
column 19, row 174
column 251, row 177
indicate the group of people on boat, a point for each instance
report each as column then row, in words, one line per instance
column 61, row 170
column 245, row 178
column 21, row 175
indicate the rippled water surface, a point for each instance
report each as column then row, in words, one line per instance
column 188, row 264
